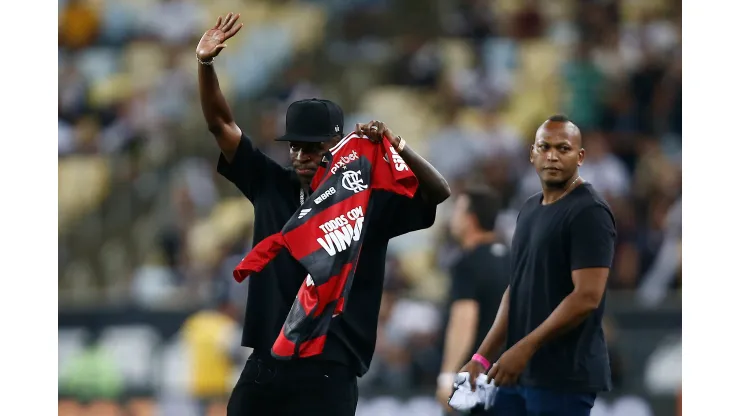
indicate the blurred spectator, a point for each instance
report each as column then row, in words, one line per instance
column 79, row 24
column 605, row 171
column 502, row 139
column 665, row 270
column 73, row 93
column 154, row 283
column 644, row 84
column 471, row 19
column 528, row 22
column 418, row 64
column 212, row 342
column 479, row 278
column 176, row 22
column 667, row 105
column 585, row 86
column 455, row 161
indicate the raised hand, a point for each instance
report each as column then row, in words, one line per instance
column 212, row 42
column 376, row 130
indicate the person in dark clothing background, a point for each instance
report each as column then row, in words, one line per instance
column 327, row 384
column 479, row 279
column 550, row 319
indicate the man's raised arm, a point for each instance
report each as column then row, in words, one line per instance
column 215, row 109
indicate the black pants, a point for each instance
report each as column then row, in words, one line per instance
column 269, row 387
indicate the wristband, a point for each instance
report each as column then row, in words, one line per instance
column 401, row 144
column 210, row 62
column 482, row 361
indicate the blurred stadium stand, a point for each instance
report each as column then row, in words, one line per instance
column 149, row 234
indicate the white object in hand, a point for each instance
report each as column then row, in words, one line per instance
column 464, row 399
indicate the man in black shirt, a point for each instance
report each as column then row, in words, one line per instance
column 479, row 279
column 326, row 384
column 556, row 358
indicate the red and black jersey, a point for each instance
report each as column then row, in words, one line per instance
column 325, row 235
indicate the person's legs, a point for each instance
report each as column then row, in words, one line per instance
column 508, row 402
column 543, row 402
column 319, row 388
column 252, row 395
column 269, row 387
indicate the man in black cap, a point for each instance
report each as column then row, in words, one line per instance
column 325, row 384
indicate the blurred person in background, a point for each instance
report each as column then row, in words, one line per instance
column 212, row 341
column 479, row 279
column 556, row 358
column 79, row 25
column 325, row 384
column 664, row 273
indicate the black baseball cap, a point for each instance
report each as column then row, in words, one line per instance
column 313, row 121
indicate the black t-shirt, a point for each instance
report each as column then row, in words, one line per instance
column 482, row 275
column 551, row 241
column 274, row 192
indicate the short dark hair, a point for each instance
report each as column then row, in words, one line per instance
column 484, row 205
column 559, row 118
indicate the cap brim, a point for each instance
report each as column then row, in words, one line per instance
column 292, row 137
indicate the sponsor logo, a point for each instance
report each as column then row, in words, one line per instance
column 398, row 162
column 344, row 161
column 321, row 198
column 340, row 232
column 352, row 181
column 304, row 212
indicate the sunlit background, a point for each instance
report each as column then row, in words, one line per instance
column 149, row 315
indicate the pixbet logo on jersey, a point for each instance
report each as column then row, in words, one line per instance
column 344, row 161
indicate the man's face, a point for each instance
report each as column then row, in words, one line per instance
column 460, row 219
column 306, row 157
column 556, row 153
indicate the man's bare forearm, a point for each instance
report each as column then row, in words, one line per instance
column 432, row 184
column 212, row 101
column 496, row 336
column 460, row 335
column 570, row 313
column 216, row 111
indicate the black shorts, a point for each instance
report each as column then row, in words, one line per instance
column 270, row 387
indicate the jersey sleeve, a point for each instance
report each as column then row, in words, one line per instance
column 592, row 238
column 391, row 173
column 250, row 170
